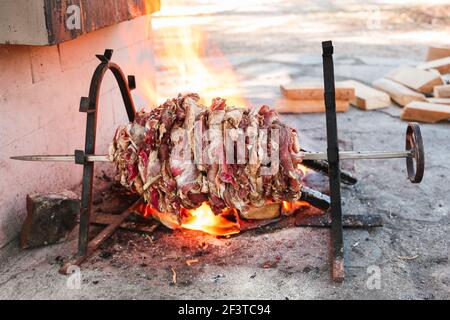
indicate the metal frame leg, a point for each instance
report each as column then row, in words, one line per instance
column 89, row 105
column 337, row 239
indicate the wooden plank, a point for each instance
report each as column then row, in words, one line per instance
column 416, row 79
column 49, row 22
column 100, row 237
column 436, row 72
column 439, row 100
column 442, row 91
column 23, row 22
column 442, row 65
column 398, row 92
column 425, row 112
column 367, row 98
column 284, row 105
column 438, row 53
column 314, row 91
column 107, row 219
column 269, row 211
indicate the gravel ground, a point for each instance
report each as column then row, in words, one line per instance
column 269, row 44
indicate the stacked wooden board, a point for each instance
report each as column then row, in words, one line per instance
column 419, row 80
column 421, row 90
column 367, row 98
column 426, row 112
column 435, row 53
column 399, row 93
column 308, row 97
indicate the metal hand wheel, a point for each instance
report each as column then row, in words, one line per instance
column 415, row 163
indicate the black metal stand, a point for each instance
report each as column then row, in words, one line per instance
column 89, row 105
column 337, row 239
column 333, row 218
column 336, row 232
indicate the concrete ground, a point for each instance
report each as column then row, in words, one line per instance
column 268, row 44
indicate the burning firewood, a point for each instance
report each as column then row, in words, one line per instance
column 183, row 154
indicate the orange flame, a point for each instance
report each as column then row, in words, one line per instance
column 188, row 60
column 204, row 219
column 289, row 207
column 303, row 169
column 200, row 219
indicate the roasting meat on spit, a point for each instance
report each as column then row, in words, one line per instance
column 183, row 153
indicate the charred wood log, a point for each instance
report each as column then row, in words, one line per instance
column 315, row 198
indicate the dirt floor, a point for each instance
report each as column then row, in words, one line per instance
column 268, row 44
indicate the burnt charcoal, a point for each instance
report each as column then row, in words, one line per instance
column 97, row 200
column 105, row 177
column 307, row 269
column 201, row 253
column 60, row 260
column 217, row 277
column 105, row 254
column 50, row 218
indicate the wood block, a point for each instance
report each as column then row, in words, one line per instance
column 284, row 105
column 314, row 91
column 436, row 72
column 425, row 112
column 438, row 53
column 398, row 92
column 442, row 91
column 442, row 65
column 439, row 100
column 268, row 211
column 367, row 98
column 416, row 79
column 50, row 218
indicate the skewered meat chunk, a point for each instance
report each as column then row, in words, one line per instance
column 183, row 153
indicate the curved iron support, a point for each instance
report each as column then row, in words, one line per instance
column 89, row 105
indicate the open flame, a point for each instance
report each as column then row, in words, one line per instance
column 290, row 207
column 204, row 219
column 200, row 219
column 189, row 62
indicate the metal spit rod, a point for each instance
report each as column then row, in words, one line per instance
column 343, row 155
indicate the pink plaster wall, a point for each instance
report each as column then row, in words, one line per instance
column 40, row 89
